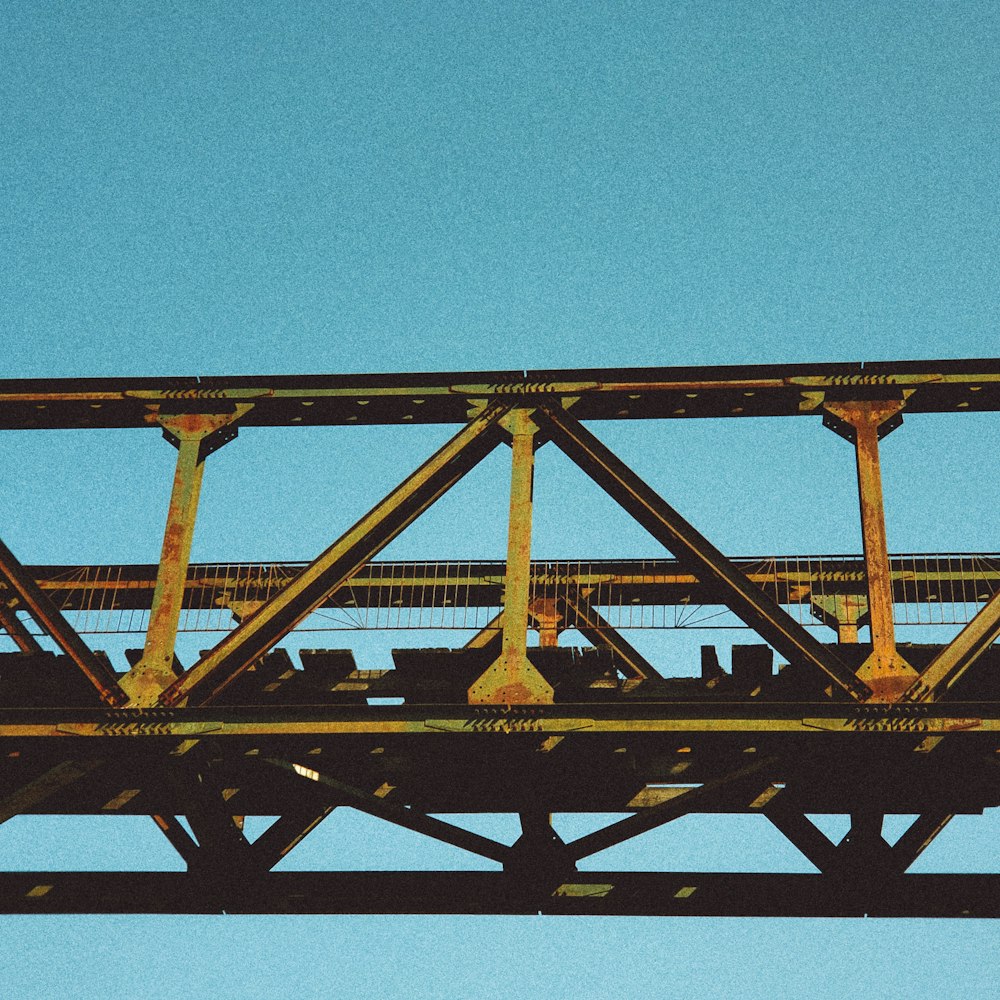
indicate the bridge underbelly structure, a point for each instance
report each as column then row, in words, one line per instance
column 546, row 704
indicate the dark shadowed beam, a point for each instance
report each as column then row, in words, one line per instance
column 804, row 834
column 182, row 841
column 581, row 894
column 669, row 810
column 36, row 791
column 403, row 816
column 666, row 525
column 743, row 391
column 284, row 834
column 918, row 837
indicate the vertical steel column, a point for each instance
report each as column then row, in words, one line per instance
column 885, row 671
column 512, row 679
column 154, row 672
column 844, row 612
column 546, row 615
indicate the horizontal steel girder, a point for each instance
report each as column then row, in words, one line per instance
column 960, row 720
column 604, row 893
column 605, row 393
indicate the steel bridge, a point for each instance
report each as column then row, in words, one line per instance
column 511, row 718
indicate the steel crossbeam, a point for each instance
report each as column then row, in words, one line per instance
column 600, row 394
column 592, row 893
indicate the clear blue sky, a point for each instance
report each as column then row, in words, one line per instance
column 210, row 188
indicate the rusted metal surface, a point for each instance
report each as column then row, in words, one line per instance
column 512, row 679
column 340, row 561
column 885, row 671
column 868, row 729
column 960, row 654
column 443, row 397
column 52, row 622
column 146, row 681
column 667, row 526
column 17, row 631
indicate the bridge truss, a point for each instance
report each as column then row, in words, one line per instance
column 513, row 721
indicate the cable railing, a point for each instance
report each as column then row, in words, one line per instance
column 928, row 589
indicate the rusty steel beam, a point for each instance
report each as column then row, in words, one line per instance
column 17, row 630
column 863, row 422
column 258, row 633
column 490, row 634
column 599, row 632
column 960, row 654
column 51, row 620
column 666, row 525
column 712, row 718
column 190, row 433
column 512, row 679
column 601, row 394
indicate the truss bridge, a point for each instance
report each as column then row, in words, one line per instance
column 863, row 685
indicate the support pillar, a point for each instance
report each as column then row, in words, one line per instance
column 863, row 422
column 512, row 679
column 547, row 617
column 195, row 435
column 844, row 612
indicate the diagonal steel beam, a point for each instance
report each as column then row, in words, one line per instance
column 665, row 812
column 285, row 833
column 275, row 619
column 804, row 834
column 39, row 789
column 51, row 620
column 400, row 815
column 182, row 841
column 666, row 525
column 600, row 632
column 946, row 668
column 489, row 635
column 917, row 839
column 17, row 631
